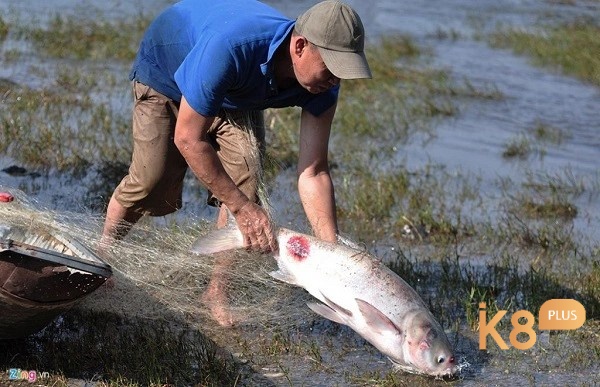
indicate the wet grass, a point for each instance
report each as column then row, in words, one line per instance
column 536, row 141
column 571, row 48
column 422, row 205
column 535, row 202
column 4, row 28
column 519, row 147
column 55, row 129
column 549, row 208
column 115, row 351
column 74, row 121
column 550, row 134
column 91, row 39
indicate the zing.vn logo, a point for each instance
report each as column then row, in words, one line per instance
column 30, row 376
column 556, row 314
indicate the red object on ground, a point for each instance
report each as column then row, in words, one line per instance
column 6, row 197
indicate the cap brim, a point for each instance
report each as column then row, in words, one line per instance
column 346, row 65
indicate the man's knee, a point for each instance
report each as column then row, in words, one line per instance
column 153, row 198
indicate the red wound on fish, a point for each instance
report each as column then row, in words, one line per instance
column 6, row 197
column 298, row 247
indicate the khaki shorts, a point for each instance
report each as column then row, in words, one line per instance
column 154, row 183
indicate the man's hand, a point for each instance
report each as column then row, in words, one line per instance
column 256, row 227
column 192, row 141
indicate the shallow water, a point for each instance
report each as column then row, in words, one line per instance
column 473, row 141
column 470, row 143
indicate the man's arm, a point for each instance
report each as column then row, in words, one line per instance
column 314, row 181
column 192, row 141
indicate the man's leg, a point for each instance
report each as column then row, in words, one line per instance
column 215, row 296
column 240, row 144
column 119, row 220
column 153, row 184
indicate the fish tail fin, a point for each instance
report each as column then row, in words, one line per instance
column 223, row 239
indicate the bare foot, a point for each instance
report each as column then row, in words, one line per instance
column 217, row 303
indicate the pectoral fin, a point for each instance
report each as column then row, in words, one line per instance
column 331, row 311
column 284, row 276
column 376, row 320
column 325, row 311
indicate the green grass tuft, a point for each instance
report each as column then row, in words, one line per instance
column 98, row 39
column 573, row 47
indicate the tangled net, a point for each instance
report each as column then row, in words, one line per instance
column 155, row 275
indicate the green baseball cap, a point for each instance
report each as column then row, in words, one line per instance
column 338, row 32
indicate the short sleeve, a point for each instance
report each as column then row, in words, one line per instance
column 206, row 74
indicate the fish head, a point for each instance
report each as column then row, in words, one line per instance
column 429, row 350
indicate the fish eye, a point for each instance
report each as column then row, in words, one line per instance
column 441, row 359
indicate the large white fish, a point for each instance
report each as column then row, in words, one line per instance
column 357, row 290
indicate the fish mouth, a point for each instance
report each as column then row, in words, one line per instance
column 406, row 367
column 448, row 372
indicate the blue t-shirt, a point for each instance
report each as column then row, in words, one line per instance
column 220, row 54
